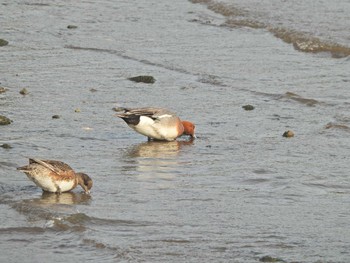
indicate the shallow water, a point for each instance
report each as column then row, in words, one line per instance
column 238, row 193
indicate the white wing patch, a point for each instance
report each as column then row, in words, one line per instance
column 146, row 127
column 145, row 121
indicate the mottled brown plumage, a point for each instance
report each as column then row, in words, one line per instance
column 55, row 176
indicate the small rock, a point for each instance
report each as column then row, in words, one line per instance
column 270, row 259
column 143, row 78
column 93, row 90
column 6, row 146
column 24, row 91
column 3, row 42
column 4, row 120
column 288, row 134
column 77, row 110
column 56, row 116
column 248, row 107
column 2, row 90
column 72, row 27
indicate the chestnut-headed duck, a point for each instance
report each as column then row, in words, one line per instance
column 157, row 123
column 55, row 176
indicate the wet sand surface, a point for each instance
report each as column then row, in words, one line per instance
column 240, row 192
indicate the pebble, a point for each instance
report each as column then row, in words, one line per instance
column 288, row 134
column 4, row 120
column 248, row 107
column 6, row 146
column 3, row 42
column 143, row 78
column 2, row 90
column 24, row 91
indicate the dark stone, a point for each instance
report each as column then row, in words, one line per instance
column 56, row 116
column 248, row 107
column 3, row 42
column 4, row 120
column 72, row 27
column 288, row 134
column 24, row 91
column 6, row 146
column 270, row 259
column 143, row 78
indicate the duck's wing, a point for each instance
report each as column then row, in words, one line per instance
column 153, row 113
column 55, row 166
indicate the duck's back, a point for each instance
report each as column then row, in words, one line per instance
column 51, row 176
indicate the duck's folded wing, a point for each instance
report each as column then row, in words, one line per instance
column 55, row 166
column 150, row 112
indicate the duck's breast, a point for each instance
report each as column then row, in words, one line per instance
column 66, row 185
column 51, row 181
column 45, row 182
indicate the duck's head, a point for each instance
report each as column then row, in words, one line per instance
column 189, row 128
column 85, row 182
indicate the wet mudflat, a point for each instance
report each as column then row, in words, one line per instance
column 241, row 192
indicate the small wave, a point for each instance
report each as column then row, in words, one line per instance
column 244, row 23
column 333, row 187
column 7, row 165
column 340, row 126
column 117, row 252
column 210, row 79
column 76, row 222
column 238, row 17
column 22, row 230
column 289, row 96
column 298, row 98
column 127, row 57
column 224, row 9
column 306, row 43
column 255, row 181
column 176, row 241
column 83, row 219
column 73, row 223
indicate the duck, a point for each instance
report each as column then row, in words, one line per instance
column 156, row 123
column 55, row 176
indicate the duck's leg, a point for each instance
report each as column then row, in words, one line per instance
column 58, row 191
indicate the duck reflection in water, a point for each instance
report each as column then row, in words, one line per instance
column 158, row 149
column 156, row 159
column 67, row 198
column 50, row 206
